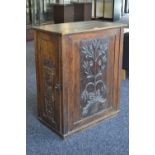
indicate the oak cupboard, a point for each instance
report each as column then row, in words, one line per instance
column 78, row 71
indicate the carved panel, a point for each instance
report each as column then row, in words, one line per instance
column 49, row 83
column 93, row 89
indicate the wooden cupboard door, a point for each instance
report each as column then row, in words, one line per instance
column 48, row 79
column 92, row 59
column 94, row 90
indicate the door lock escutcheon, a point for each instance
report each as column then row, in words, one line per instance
column 58, row 87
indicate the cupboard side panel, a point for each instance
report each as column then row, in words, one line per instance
column 48, row 79
column 120, row 57
column 37, row 56
column 118, row 68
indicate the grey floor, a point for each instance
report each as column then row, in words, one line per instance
column 107, row 138
column 124, row 19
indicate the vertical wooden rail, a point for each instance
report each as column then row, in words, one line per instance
column 30, row 13
column 103, row 7
column 94, row 9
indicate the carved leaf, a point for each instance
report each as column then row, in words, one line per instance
column 93, row 52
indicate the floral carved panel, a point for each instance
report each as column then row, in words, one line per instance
column 93, row 89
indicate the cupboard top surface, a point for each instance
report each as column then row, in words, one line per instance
column 77, row 27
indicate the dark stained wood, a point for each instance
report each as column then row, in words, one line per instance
column 63, row 13
column 67, row 64
column 82, row 11
column 48, row 78
column 75, row 11
column 95, row 9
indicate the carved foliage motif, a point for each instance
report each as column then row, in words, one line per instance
column 49, row 76
column 93, row 60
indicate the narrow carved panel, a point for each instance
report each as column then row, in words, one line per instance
column 49, row 76
column 93, row 89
